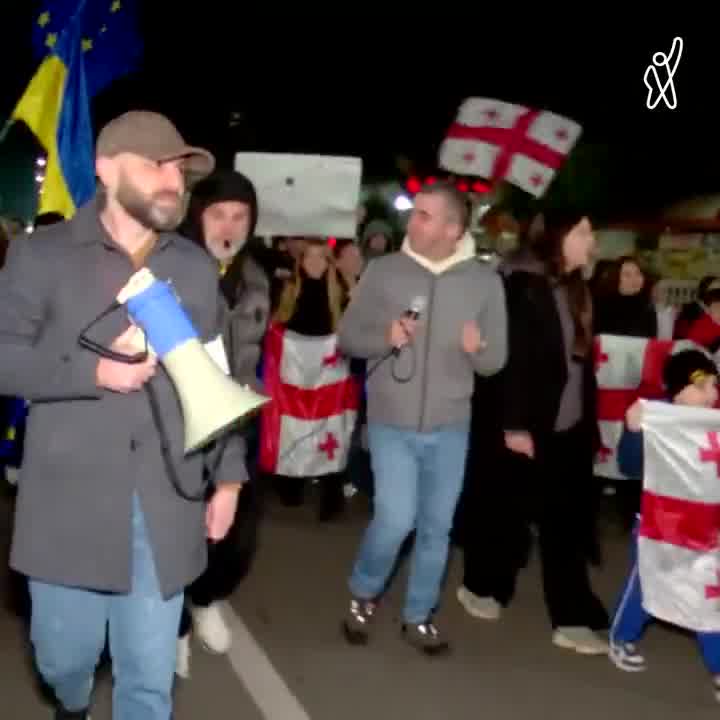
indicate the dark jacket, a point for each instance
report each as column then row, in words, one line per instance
column 537, row 370
column 626, row 315
column 244, row 284
column 88, row 450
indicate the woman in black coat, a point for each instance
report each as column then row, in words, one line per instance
column 533, row 444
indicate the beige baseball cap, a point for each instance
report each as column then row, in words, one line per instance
column 152, row 136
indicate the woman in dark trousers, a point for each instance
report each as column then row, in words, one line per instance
column 533, row 444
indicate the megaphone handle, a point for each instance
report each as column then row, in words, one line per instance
column 85, row 342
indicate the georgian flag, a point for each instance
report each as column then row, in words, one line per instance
column 502, row 141
column 678, row 548
column 626, row 368
column 307, row 425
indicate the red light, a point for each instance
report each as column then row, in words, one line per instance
column 414, row 185
column 480, row 187
column 463, row 186
column 332, row 242
column 431, row 180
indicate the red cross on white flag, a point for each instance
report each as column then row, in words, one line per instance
column 679, row 546
column 502, row 141
column 626, row 368
column 307, row 426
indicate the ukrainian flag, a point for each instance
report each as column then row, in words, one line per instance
column 85, row 45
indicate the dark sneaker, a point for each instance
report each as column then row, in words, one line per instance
column 356, row 625
column 426, row 638
column 61, row 714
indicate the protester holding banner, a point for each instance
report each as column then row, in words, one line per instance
column 306, row 429
column 690, row 379
column 544, row 402
column 427, row 318
column 222, row 216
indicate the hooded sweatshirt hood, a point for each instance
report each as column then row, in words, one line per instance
column 219, row 186
column 465, row 250
column 223, row 186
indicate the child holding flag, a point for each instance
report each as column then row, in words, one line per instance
column 690, row 378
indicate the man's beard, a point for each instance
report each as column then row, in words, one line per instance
column 147, row 210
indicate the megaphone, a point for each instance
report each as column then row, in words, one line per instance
column 211, row 401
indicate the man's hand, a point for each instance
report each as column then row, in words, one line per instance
column 401, row 331
column 634, row 416
column 472, row 339
column 521, row 443
column 221, row 511
column 124, row 377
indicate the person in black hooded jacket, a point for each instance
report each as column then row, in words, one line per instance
column 222, row 216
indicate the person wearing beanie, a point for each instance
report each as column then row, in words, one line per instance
column 689, row 378
column 376, row 239
column 221, row 218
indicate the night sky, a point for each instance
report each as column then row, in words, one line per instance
column 380, row 89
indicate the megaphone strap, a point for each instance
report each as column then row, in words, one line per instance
column 88, row 344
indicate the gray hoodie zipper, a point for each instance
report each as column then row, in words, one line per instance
column 423, row 388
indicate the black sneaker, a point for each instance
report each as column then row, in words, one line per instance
column 62, row 714
column 356, row 625
column 426, row 638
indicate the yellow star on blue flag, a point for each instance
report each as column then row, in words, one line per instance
column 109, row 36
column 83, row 45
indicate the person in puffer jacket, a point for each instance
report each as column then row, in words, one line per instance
column 222, row 216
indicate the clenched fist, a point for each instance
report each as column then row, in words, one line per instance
column 472, row 339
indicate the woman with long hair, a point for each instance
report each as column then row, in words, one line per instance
column 532, row 454
column 627, row 308
column 311, row 304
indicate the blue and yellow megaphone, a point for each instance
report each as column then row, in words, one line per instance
column 211, row 401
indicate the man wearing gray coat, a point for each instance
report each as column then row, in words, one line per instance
column 106, row 540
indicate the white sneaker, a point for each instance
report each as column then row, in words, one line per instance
column 211, row 629
column 482, row 608
column 580, row 639
column 625, row 656
column 182, row 663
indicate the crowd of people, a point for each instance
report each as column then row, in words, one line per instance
column 463, row 439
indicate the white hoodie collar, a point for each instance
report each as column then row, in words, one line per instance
column 465, row 250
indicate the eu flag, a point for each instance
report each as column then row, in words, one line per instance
column 110, row 39
column 84, row 45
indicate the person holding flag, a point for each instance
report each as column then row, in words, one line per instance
column 690, row 379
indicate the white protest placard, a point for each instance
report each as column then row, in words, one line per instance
column 304, row 195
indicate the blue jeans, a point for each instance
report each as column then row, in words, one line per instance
column 418, row 479
column 68, row 632
column 631, row 618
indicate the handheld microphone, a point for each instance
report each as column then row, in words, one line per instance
column 417, row 306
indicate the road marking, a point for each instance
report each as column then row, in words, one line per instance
column 271, row 694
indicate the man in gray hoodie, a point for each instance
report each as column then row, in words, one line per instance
column 427, row 318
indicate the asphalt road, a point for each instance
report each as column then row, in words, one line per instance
column 289, row 661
